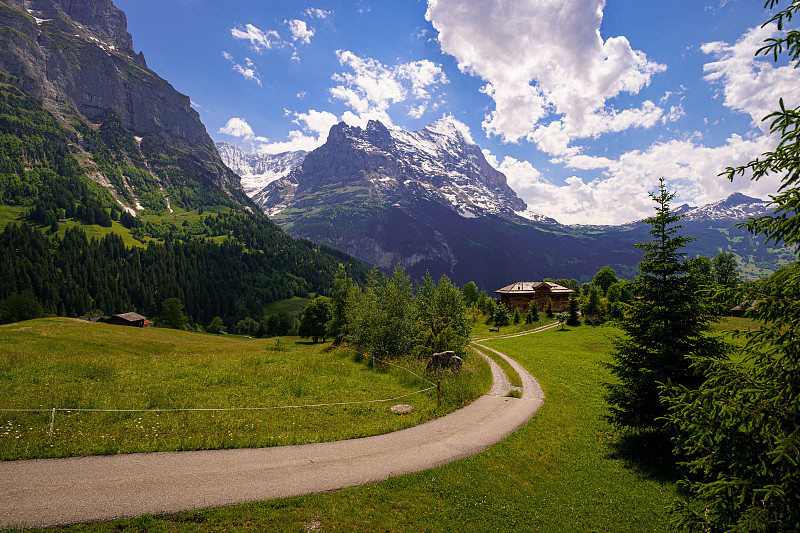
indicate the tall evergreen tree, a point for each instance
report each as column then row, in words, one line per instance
column 741, row 428
column 666, row 326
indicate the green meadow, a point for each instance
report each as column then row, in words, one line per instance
column 176, row 390
column 565, row 470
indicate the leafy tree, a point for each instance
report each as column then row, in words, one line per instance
column 341, row 299
column 572, row 318
column 548, row 311
column 593, row 308
column 517, row 318
column 605, row 278
column 614, row 293
column 701, row 268
column 314, row 320
column 172, row 314
column 471, row 294
column 383, row 318
column 662, row 329
column 726, row 271
column 442, row 317
column 740, row 430
column 19, row 307
column 216, row 326
column 277, row 325
column 247, row 326
column 501, row 316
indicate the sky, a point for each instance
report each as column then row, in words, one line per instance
column 582, row 104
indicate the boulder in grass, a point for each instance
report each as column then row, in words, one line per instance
column 444, row 361
column 402, row 409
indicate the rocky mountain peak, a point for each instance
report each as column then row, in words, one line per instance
column 450, row 127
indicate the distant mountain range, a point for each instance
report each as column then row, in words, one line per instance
column 429, row 201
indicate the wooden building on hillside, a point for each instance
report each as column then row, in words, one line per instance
column 129, row 319
column 520, row 294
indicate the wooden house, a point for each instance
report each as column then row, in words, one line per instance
column 520, row 294
column 129, row 319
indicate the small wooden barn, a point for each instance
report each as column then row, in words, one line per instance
column 129, row 319
column 520, row 294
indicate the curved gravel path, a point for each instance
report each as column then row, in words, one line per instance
column 53, row 492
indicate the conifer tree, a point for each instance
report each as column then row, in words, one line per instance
column 662, row 329
column 573, row 319
column 741, row 429
column 533, row 312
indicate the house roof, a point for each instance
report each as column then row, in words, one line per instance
column 131, row 317
column 531, row 287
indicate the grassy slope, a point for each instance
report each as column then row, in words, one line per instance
column 556, row 473
column 67, row 363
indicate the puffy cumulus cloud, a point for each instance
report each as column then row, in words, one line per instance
column 300, row 31
column 315, row 126
column 248, row 71
column 545, row 57
column 751, row 85
column 260, row 40
column 369, row 88
column 238, row 127
column 620, row 192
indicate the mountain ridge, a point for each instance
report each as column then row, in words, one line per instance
column 429, row 201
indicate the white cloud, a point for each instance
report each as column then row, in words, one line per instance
column 300, row 31
column 259, row 40
column 314, row 12
column 249, row 72
column 543, row 58
column 620, row 193
column 370, row 87
column 750, row 85
column 237, row 127
column 315, row 126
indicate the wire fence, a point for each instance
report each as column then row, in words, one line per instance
column 261, row 408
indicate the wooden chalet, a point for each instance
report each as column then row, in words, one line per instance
column 129, row 319
column 520, row 294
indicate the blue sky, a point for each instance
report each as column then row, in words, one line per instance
column 583, row 104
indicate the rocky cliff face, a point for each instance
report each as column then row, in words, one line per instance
column 77, row 57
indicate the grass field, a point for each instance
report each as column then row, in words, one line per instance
column 560, row 472
column 293, row 306
column 72, row 364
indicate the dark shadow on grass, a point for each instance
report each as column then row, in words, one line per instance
column 647, row 453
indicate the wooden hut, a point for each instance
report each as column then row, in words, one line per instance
column 129, row 319
column 520, row 294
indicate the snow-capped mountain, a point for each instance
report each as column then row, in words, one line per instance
column 737, row 207
column 429, row 201
column 440, row 163
column 258, row 170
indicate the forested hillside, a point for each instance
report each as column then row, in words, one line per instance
column 254, row 265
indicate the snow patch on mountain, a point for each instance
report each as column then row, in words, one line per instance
column 737, row 206
column 258, row 170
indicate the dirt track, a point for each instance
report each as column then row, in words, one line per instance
column 50, row 492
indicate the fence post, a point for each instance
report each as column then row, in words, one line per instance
column 52, row 423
